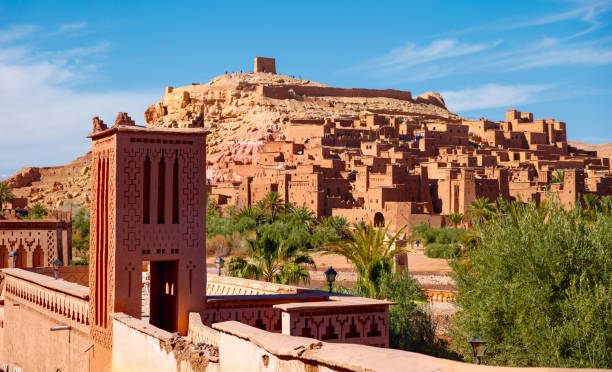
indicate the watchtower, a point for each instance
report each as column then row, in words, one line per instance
column 263, row 64
column 148, row 203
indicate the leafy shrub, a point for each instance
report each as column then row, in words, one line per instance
column 439, row 242
column 537, row 287
column 410, row 325
column 438, row 250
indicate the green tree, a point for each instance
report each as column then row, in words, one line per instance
column 537, row 288
column 6, row 194
column 371, row 250
column 482, row 209
column 272, row 205
column 591, row 203
column 455, row 219
column 80, row 235
column 302, row 215
column 271, row 258
column 37, row 212
column 336, row 223
column 558, row 176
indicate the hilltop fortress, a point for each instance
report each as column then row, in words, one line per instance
column 365, row 154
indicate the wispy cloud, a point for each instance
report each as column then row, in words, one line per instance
column 46, row 111
column 411, row 55
column 492, row 95
column 16, row 32
column 69, row 27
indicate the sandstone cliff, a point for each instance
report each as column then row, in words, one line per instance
column 242, row 111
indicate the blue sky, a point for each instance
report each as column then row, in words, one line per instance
column 61, row 63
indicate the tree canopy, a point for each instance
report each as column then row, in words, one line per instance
column 537, row 286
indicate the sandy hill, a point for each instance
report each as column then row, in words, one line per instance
column 603, row 149
column 242, row 111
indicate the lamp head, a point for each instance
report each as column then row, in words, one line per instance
column 56, row 264
column 478, row 346
column 330, row 275
column 219, row 262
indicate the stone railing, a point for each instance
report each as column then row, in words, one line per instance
column 343, row 319
column 232, row 286
column 74, row 274
column 199, row 333
column 65, row 301
column 440, row 295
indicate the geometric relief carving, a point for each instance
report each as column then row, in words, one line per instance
column 264, row 317
column 52, row 247
column 368, row 326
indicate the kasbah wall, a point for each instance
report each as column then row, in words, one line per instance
column 148, row 204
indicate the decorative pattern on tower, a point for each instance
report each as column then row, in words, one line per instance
column 148, row 204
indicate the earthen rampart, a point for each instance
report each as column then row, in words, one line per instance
column 287, row 91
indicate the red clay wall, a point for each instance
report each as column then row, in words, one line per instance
column 282, row 92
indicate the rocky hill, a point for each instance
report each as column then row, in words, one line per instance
column 242, row 111
column 603, row 149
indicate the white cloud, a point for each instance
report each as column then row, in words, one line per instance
column 492, row 95
column 68, row 27
column 44, row 117
column 16, row 32
column 410, row 55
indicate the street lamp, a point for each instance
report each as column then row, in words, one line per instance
column 56, row 265
column 219, row 263
column 12, row 259
column 330, row 275
column 478, row 348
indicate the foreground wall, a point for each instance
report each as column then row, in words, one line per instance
column 141, row 347
column 34, row 304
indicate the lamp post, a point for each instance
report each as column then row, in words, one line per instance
column 13, row 259
column 478, row 348
column 330, row 275
column 219, row 263
column 56, row 265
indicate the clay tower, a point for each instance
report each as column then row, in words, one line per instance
column 148, row 204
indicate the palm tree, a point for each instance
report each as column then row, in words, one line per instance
column 6, row 194
column 37, row 212
column 482, row 209
column 371, row 250
column 302, row 215
column 591, row 202
column 273, row 260
column 557, row 177
column 336, row 223
column 455, row 219
column 272, row 205
column 250, row 212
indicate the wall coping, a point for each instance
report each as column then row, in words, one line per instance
column 142, row 326
column 333, row 304
column 59, row 285
column 151, row 130
column 354, row 357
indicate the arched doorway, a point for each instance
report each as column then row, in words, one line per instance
column 379, row 219
column 4, row 257
column 22, row 258
column 38, row 257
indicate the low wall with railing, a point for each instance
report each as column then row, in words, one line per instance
column 46, row 322
column 231, row 286
column 74, row 274
column 440, row 295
